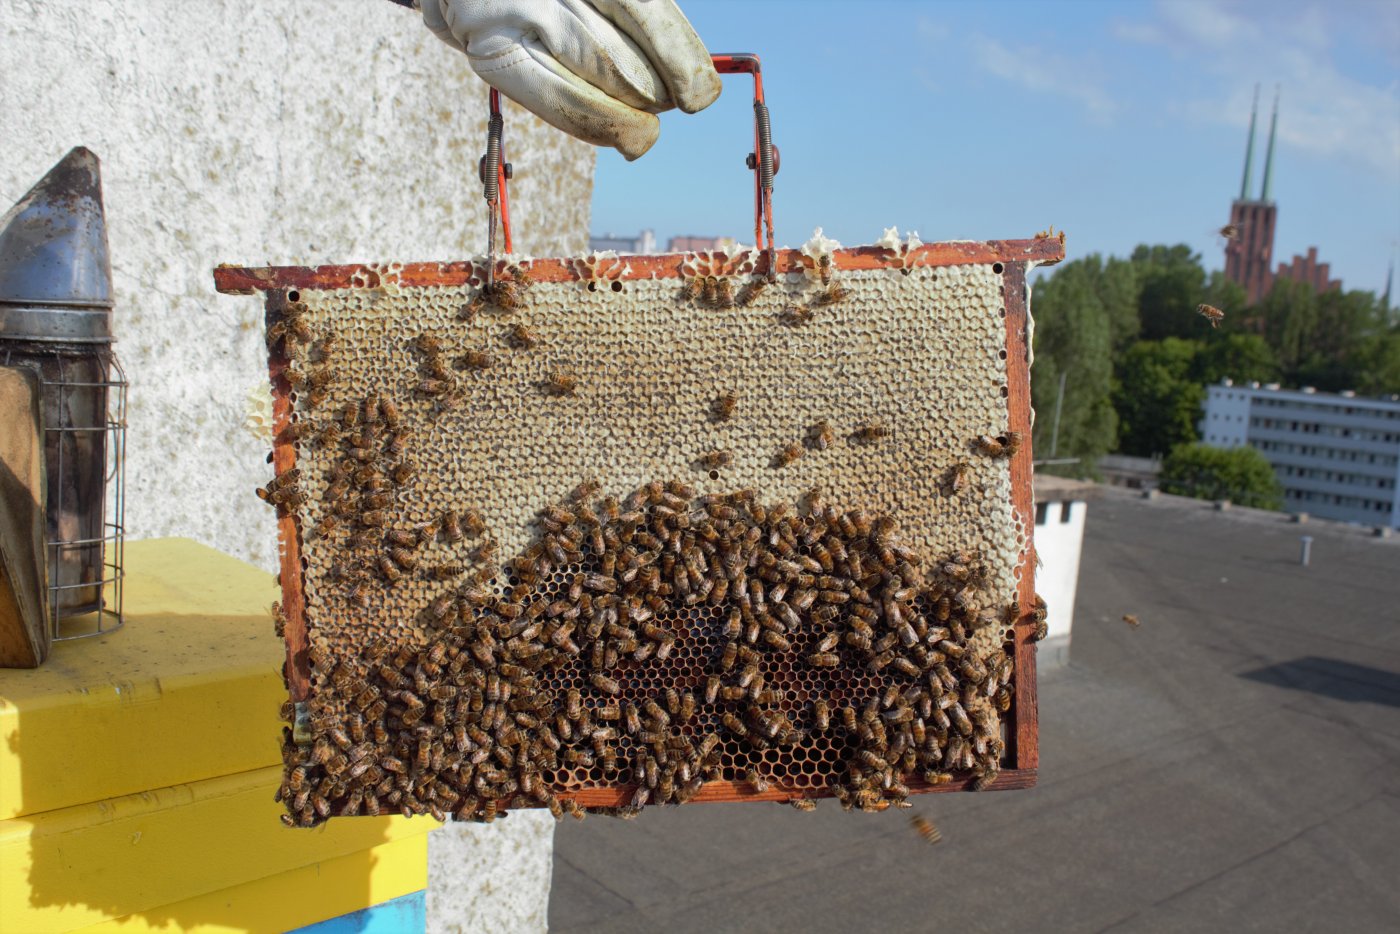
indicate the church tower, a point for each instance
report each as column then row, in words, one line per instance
column 1249, row 256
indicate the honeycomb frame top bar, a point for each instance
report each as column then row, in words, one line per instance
column 246, row 280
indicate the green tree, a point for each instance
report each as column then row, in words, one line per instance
column 1241, row 475
column 1172, row 283
column 1378, row 364
column 1073, row 337
column 1157, row 399
column 1240, row 357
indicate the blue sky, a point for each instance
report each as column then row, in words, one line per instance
column 1120, row 123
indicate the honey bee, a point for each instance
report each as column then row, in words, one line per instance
column 428, row 344
column 824, row 267
column 559, row 383
column 451, row 526
column 716, row 459
column 469, row 310
column 1211, row 313
column 709, row 291
column 957, row 478
column 723, row 407
column 1131, row 620
column 389, row 569
column 401, row 472
column 389, row 412
column 803, row 804
column 821, row 715
column 750, row 292
column 820, row 436
column 925, row 829
column 787, row 455
column 795, row 315
column 476, row 360
column 295, row 431
column 1230, row 231
column 823, row 660
column 870, row 432
column 403, row 558
column 724, row 294
column 833, row 293
column 605, row 684
column 433, row 387
column 984, row 780
column 376, row 518
column 523, row 337
column 691, row 288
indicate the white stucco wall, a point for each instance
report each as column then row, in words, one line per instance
column 263, row 131
column 1059, row 544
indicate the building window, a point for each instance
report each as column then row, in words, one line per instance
column 1065, row 512
column 1041, row 510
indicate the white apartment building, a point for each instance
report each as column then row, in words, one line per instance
column 1337, row 455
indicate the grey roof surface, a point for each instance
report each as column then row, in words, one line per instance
column 1232, row 764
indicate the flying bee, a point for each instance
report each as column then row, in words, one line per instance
column 523, row 337
column 926, row 829
column 787, row 455
column 716, row 459
column 723, row 407
column 870, row 432
column 1229, row 231
column 559, row 383
column 476, row 360
column 1131, row 620
column 833, row 293
column 820, row 436
column 1211, row 313
column 795, row 315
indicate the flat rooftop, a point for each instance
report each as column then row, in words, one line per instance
column 1234, row 762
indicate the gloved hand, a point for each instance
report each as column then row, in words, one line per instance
column 596, row 69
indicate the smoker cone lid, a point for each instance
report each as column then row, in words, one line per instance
column 53, row 252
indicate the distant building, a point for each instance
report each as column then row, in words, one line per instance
column 643, row 243
column 1335, row 454
column 699, row 244
column 1249, row 255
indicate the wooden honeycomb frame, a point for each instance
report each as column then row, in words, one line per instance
column 585, row 281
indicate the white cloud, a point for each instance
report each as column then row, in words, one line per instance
column 931, row 30
column 1042, row 72
column 1325, row 109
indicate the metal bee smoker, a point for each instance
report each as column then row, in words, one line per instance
column 56, row 319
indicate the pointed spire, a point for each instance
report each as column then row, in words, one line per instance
column 1269, row 158
column 1249, row 148
column 1385, row 299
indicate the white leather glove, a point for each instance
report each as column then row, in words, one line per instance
column 596, row 69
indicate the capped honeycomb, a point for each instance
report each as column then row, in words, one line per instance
column 592, row 536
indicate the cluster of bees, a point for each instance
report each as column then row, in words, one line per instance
column 718, row 292
column 519, row 693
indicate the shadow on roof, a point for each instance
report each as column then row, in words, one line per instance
column 1332, row 678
